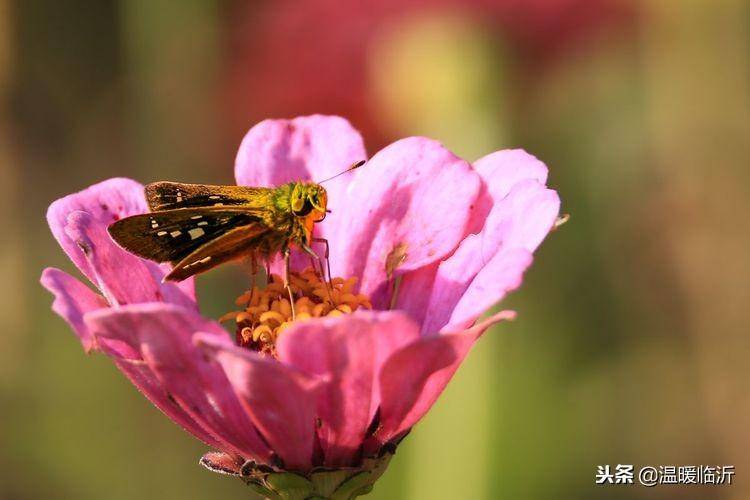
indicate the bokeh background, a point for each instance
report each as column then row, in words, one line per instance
column 632, row 340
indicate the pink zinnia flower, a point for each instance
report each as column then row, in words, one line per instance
column 434, row 242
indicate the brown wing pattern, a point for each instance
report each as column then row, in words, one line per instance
column 172, row 235
column 231, row 245
column 171, row 195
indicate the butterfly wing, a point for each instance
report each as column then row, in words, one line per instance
column 172, row 195
column 231, row 245
column 172, row 235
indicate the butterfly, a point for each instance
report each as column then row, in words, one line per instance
column 197, row 227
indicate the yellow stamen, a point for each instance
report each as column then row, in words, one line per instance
column 267, row 312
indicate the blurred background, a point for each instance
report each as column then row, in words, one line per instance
column 631, row 344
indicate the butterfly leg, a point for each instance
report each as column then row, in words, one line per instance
column 316, row 258
column 268, row 271
column 288, row 287
column 254, row 270
column 326, row 255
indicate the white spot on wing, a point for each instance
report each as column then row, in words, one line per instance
column 196, row 217
column 175, row 234
column 161, row 233
column 196, row 233
column 203, row 223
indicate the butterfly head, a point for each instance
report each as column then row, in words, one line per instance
column 309, row 201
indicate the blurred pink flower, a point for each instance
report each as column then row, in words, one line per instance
column 341, row 389
column 286, row 57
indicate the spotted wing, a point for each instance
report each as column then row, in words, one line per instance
column 172, row 235
column 171, row 195
column 231, row 245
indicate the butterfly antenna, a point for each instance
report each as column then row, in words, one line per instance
column 353, row 167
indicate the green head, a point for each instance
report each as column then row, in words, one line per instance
column 309, row 199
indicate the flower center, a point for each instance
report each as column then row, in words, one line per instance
column 267, row 312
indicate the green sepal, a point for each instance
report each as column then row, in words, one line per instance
column 351, row 486
column 327, row 481
column 290, row 486
column 318, row 484
column 262, row 490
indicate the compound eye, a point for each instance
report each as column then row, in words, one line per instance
column 306, row 209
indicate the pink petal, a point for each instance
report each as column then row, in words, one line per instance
column 513, row 196
column 73, row 299
column 488, row 265
column 315, row 147
column 129, row 361
column 502, row 170
column 502, row 273
column 412, row 378
column 280, row 402
column 415, row 197
column 347, row 353
column 106, row 202
column 144, row 379
column 122, row 277
column 163, row 334
column 415, row 291
column 500, row 276
column 523, row 218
